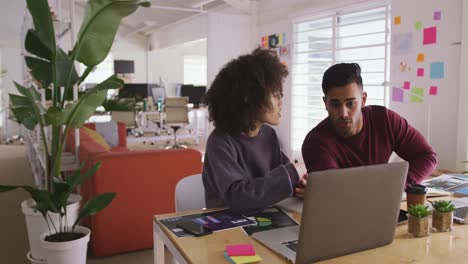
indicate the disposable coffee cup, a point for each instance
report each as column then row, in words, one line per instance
column 415, row 194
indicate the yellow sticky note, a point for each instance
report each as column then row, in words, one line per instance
column 420, row 57
column 246, row 259
column 397, row 20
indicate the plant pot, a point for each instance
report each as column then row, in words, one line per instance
column 69, row 252
column 36, row 225
column 418, row 227
column 442, row 222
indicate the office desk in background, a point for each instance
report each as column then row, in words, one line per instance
column 449, row 247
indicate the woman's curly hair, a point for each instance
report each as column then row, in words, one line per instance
column 241, row 91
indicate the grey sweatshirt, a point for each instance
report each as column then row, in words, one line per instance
column 246, row 173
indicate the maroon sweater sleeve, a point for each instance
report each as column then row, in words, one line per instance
column 411, row 146
column 316, row 155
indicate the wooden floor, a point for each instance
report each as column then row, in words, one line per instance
column 14, row 169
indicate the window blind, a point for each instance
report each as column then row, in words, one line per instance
column 358, row 36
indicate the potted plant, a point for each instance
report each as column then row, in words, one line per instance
column 442, row 215
column 54, row 70
column 418, row 220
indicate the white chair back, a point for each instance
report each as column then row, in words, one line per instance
column 190, row 194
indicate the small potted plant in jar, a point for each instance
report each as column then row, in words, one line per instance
column 442, row 216
column 418, row 220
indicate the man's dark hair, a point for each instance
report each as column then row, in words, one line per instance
column 341, row 74
column 241, row 91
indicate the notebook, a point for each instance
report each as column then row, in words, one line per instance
column 345, row 211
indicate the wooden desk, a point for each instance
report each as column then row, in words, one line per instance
column 450, row 247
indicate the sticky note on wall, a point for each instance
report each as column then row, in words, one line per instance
column 433, row 90
column 430, row 35
column 420, row 57
column 418, row 25
column 397, row 20
column 437, row 70
column 420, row 72
column 397, row 94
column 406, row 85
column 417, row 95
column 437, row 15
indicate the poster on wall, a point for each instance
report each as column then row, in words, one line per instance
column 277, row 42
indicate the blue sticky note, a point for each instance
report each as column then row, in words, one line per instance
column 437, row 70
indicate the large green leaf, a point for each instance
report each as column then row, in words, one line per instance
column 6, row 188
column 76, row 113
column 61, row 190
column 77, row 179
column 64, row 66
column 42, row 198
column 40, row 13
column 34, row 45
column 94, row 205
column 99, row 27
column 26, row 107
column 41, row 70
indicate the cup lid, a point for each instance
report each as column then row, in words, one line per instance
column 416, row 188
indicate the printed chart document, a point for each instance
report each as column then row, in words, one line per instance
column 270, row 218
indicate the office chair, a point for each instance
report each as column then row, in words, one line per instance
column 128, row 118
column 155, row 103
column 176, row 115
column 190, row 194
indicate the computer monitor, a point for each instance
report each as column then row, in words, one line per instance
column 194, row 93
column 124, row 66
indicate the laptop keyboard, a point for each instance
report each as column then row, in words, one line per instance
column 291, row 244
column 461, row 212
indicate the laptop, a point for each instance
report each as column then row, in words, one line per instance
column 345, row 211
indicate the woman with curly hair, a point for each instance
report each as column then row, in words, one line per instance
column 245, row 168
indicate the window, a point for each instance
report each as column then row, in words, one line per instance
column 195, row 69
column 361, row 37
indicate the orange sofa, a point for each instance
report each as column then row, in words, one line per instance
column 145, row 185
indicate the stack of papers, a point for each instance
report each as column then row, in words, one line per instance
column 241, row 253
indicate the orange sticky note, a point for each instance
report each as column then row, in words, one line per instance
column 420, row 57
column 397, row 20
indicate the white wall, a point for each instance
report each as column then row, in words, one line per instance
column 228, row 37
column 462, row 143
column 129, row 49
column 437, row 116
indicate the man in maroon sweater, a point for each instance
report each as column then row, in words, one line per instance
column 357, row 135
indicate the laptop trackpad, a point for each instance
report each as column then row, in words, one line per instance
column 281, row 240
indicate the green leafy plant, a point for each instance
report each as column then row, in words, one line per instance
column 419, row 210
column 54, row 69
column 443, row 206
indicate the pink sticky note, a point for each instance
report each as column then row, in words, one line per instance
column 430, row 35
column 437, row 15
column 433, row 90
column 420, row 72
column 240, row 250
column 406, row 85
column 397, row 94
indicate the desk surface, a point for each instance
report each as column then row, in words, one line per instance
column 450, row 247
